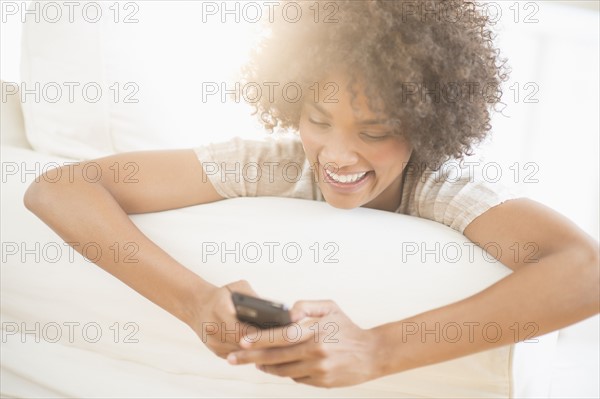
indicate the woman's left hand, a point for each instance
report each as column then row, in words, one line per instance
column 324, row 348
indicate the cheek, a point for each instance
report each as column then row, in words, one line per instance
column 309, row 142
column 391, row 159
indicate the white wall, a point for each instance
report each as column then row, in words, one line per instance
column 554, row 132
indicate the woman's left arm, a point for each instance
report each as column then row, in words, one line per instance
column 553, row 287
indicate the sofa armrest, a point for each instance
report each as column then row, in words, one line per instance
column 12, row 126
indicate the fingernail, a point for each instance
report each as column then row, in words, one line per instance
column 231, row 358
column 245, row 344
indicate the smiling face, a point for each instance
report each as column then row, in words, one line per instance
column 356, row 157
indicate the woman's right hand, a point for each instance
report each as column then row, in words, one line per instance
column 216, row 323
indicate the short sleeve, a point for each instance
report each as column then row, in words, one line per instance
column 251, row 168
column 457, row 193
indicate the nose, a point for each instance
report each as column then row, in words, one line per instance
column 338, row 154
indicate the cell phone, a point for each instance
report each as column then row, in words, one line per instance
column 260, row 312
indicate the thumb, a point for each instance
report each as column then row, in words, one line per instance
column 302, row 309
column 241, row 286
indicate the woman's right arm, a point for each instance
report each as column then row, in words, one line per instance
column 81, row 211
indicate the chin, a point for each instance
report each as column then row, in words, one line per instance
column 348, row 207
column 342, row 204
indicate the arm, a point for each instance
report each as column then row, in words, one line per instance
column 555, row 287
column 81, row 211
column 550, row 289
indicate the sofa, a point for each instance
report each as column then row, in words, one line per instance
column 71, row 330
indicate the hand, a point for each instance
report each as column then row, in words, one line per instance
column 216, row 323
column 324, row 349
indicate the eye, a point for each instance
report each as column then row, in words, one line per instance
column 318, row 123
column 375, row 136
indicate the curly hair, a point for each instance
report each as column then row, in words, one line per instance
column 429, row 66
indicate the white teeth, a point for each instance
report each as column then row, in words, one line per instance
column 345, row 178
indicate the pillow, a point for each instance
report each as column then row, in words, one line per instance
column 368, row 261
column 144, row 75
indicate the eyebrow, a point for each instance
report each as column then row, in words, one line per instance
column 365, row 122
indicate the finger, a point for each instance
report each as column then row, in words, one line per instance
column 289, row 335
column 223, row 349
column 270, row 356
column 303, row 309
column 224, row 353
column 299, row 369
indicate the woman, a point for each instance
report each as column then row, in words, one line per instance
column 386, row 92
